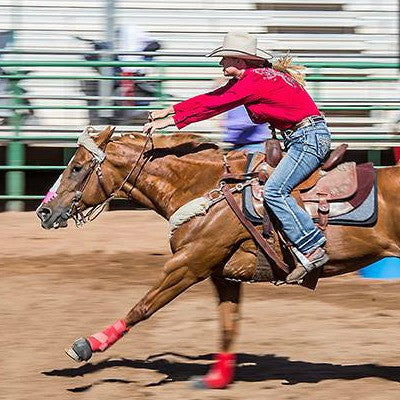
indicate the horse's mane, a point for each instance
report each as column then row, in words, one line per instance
column 163, row 140
column 179, row 144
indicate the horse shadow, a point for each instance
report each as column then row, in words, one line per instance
column 250, row 368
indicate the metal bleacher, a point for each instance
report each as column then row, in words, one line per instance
column 314, row 30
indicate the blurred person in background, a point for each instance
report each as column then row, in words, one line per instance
column 132, row 38
column 241, row 133
column 272, row 93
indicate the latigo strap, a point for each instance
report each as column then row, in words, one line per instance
column 269, row 251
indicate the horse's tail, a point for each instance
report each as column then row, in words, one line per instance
column 297, row 72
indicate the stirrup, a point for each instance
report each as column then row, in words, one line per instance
column 306, row 266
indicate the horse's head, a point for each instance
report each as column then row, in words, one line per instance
column 82, row 184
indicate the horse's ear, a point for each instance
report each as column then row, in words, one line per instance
column 103, row 137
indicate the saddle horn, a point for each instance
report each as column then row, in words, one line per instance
column 273, row 150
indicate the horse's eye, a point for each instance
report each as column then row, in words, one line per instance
column 77, row 168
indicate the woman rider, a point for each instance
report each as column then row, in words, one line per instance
column 273, row 94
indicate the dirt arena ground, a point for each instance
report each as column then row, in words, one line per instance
column 59, row 285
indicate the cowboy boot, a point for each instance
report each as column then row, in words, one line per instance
column 314, row 259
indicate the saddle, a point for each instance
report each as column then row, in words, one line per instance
column 333, row 190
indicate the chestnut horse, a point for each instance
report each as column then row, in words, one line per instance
column 164, row 173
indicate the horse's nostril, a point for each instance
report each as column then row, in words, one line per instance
column 44, row 213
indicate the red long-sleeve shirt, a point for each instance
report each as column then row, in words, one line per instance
column 268, row 95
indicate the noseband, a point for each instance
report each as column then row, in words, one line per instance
column 98, row 156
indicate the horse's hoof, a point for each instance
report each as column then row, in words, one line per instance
column 80, row 350
column 199, row 382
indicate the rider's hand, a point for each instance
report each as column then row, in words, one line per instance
column 150, row 127
column 160, row 114
column 157, row 114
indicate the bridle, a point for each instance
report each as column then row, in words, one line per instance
column 98, row 156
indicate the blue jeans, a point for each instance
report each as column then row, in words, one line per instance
column 306, row 150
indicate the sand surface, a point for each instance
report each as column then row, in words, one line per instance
column 340, row 342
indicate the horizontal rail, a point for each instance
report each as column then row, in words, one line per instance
column 31, row 167
column 335, row 137
column 84, row 98
column 309, row 78
column 21, row 197
column 66, row 107
column 179, row 98
column 162, row 64
column 183, row 54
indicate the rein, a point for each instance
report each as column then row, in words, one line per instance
column 75, row 211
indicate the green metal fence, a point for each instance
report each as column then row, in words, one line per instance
column 15, row 140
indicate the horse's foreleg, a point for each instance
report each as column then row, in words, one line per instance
column 222, row 371
column 195, row 258
column 176, row 278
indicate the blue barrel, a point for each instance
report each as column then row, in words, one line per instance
column 387, row 268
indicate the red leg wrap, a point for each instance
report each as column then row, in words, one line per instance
column 221, row 373
column 102, row 340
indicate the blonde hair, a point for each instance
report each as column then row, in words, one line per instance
column 283, row 64
column 297, row 72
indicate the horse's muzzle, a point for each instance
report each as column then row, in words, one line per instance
column 44, row 213
column 49, row 220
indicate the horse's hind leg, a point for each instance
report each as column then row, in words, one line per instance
column 176, row 277
column 222, row 371
column 228, row 292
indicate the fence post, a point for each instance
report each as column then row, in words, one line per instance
column 106, row 87
column 374, row 156
column 15, row 180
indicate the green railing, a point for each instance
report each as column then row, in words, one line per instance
column 15, row 162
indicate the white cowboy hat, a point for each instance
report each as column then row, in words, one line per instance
column 240, row 45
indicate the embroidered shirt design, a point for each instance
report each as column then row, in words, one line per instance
column 272, row 74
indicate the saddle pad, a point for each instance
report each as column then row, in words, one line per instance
column 365, row 214
column 365, row 178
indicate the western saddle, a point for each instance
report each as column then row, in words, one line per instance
column 326, row 193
